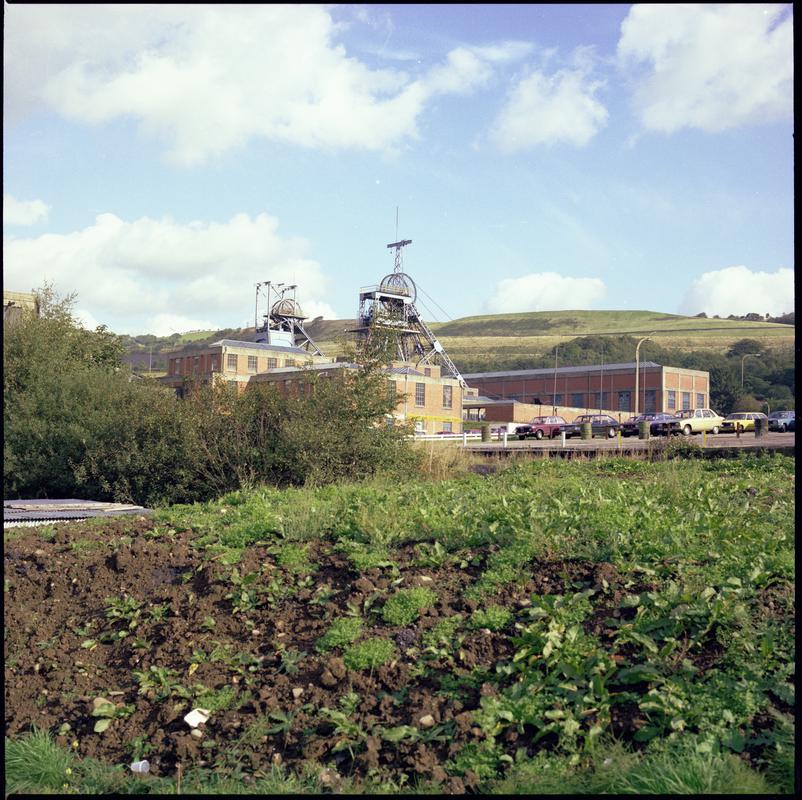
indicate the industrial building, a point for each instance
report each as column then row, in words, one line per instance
column 234, row 362
column 432, row 401
column 280, row 342
column 608, row 388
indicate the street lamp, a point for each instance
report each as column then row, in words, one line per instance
column 150, row 355
column 745, row 355
column 637, row 369
column 554, row 392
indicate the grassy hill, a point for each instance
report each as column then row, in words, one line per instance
column 504, row 338
column 537, row 332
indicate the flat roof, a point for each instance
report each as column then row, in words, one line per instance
column 520, row 373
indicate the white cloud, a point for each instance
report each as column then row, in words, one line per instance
column 709, row 66
column 207, row 79
column 21, row 212
column 548, row 108
column 545, row 291
column 147, row 274
column 738, row 290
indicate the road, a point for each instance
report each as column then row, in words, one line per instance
column 771, row 441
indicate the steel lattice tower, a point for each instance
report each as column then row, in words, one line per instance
column 388, row 310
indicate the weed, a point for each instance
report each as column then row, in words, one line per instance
column 494, row 618
column 405, row 605
column 289, row 660
column 108, row 712
column 343, row 631
column 369, row 654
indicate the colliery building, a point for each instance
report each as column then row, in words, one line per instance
column 610, row 387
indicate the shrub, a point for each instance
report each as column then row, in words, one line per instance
column 369, row 654
column 405, row 605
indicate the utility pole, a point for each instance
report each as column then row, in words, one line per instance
column 637, row 368
column 745, row 355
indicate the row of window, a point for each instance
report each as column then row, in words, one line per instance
column 671, row 403
column 420, row 395
column 232, row 362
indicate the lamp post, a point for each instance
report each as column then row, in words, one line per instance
column 745, row 355
column 150, row 355
column 554, row 392
column 637, row 369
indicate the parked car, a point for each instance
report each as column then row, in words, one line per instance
column 692, row 421
column 781, row 420
column 630, row 427
column 540, row 427
column 791, row 425
column 601, row 425
column 745, row 420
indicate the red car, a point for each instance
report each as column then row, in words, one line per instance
column 540, row 427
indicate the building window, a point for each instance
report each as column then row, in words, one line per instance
column 672, row 400
column 650, row 400
column 232, row 384
column 686, row 401
column 558, row 399
column 301, row 389
column 601, row 399
column 624, row 400
column 420, row 394
column 272, row 363
column 251, row 363
column 447, row 396
column 700, row 400
column 427, row 372
column 391, row 390
column 289, row 362
column 231, row 361
column 447, row 427
column 419, row 426
column 576, row 400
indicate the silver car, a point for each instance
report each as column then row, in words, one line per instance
column 779, row 420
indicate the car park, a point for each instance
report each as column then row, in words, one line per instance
column 601, row 425
column 540, row 427
column 740, row 421
column 688, row 421
column 631, row 426
column 781, row 420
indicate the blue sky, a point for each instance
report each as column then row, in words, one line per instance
column 160, row 160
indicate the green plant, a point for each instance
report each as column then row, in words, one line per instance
column 405, row 605
column 343, row 631
column 493, row 617
column 290, row 659
column 108, row 712
column 369, row 654
column 245, row 595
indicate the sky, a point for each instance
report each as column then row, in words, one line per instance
column 160, row 161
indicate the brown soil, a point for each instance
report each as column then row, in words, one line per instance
column 59, row 658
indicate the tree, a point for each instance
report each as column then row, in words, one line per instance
column 725, row 389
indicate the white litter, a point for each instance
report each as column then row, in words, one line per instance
column 197, row 717
column 140, row 767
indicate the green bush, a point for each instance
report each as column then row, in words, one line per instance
column 405, row 605
column 369, row 654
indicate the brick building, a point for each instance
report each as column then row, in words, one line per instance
column 610, row 387
column 234, row 362
column 432, row 400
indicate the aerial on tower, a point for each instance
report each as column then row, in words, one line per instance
column 283, row 323
column 388, row 310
